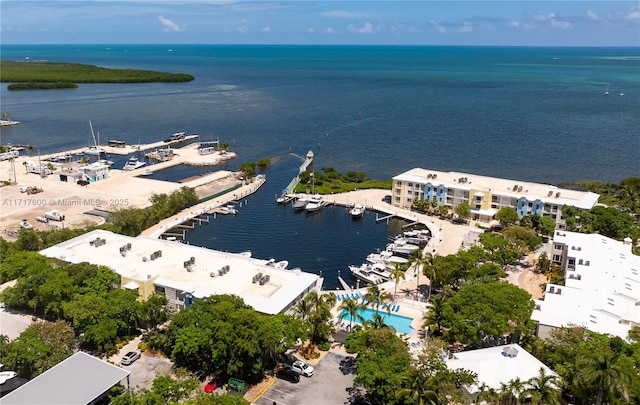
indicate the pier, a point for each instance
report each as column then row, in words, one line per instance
column 167, row 227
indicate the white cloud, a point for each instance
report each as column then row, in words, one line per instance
column 466, row 27
column 437, row 26
column 330, row 31
column 266, row 29
column 169, row 26
column 367, row 28
column 513, row 24
column 311, row 30
column 403, row 28
column 592, row 16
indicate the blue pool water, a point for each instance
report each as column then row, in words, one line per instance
column 402, row 324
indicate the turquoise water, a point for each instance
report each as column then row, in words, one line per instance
column 531, row 114
column 402, row 324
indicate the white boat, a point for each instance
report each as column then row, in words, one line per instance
column 133, row 163
column 357, row 211
column 386, row 257
column 282, row 264
column 93, row 150
column 300, row 204
column 229, row 209
column 365, row 274
column 402, row 247
column 147, row 172
column 315, row 203
column 416, row 237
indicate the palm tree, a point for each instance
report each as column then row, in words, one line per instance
column 516, row 386
column 351, row 307
column 417, row 391
column 604, row 371
column 425, row 262
column 434, row 318
column 315, row 310
column 542, row 389
column 376, row 297
column 397, row 274
column 486, row 394
column 376, row 322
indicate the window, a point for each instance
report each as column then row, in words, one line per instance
column 557, row 246
column 409, row 184
column 557, row 258
column 409, row 192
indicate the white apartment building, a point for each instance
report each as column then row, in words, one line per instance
column 602, row 286
column 486, row 195
column 185, row 273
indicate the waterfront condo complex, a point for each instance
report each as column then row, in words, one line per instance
column 486, row 195
column 601, row 291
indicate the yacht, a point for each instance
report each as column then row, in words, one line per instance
column 368, row 274
column 401, row 247
column 357, row 211
column 133, row 163
column 315, row 203
column 386, row 257
column 300, row 204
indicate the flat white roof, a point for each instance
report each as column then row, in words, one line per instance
column 602, row 292
column 79, row 379
column 498, row 186
column 494, row 368
column 203, row 279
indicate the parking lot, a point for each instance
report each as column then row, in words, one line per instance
column 327, row 386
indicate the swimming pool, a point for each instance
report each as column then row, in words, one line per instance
column 402, row 324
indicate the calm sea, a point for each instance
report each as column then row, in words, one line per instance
column 535, row 114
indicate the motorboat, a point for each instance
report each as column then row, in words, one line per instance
column 133, row 163
column 402, row 247
column 365, row 274
column 416, row 237
column 229, row 209
column 386, row 257
column 300, row 204
column 315, row 203
column 357, row 211
column 147, row 172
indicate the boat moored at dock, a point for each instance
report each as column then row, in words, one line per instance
column 133, row 163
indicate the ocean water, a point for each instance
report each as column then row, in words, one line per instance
column 534, row 114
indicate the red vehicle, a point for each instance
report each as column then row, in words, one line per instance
column 214, row 384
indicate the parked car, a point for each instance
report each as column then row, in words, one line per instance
column 129, row 358
column 288, row 375
column 300, row 367
column 25, row 224
column 213, row 384
column 83, row 182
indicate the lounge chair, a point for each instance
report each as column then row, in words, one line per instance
column 397, row 308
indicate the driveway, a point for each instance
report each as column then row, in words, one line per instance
column 145, row 369
column 327, row 386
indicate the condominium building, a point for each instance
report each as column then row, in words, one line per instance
column 486, row 195
column 185, row 273
column 601, row 291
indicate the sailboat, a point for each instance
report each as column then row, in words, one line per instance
column 93, row 150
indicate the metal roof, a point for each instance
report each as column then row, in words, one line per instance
column 79, row 379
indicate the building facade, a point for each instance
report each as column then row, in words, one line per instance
column 486, row 195
column 601, row 291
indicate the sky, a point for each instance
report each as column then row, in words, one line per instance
column 358, row 22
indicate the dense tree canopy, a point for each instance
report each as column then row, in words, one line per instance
column 483, row 314
column 383, row 360
column 38, row 348
column 221, row 334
